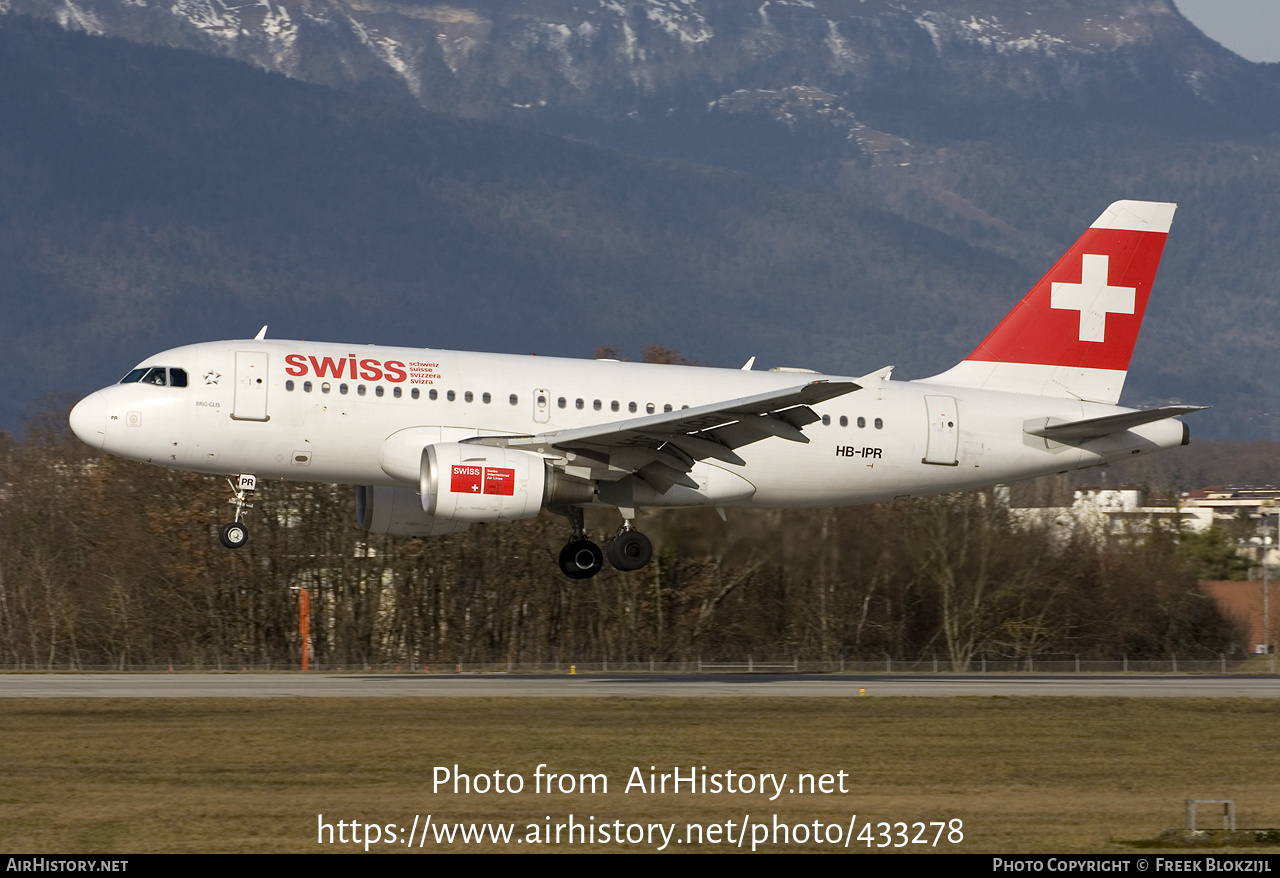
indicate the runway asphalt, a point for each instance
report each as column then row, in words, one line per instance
column 325, row 685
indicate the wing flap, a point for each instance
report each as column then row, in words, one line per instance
column 697, row 447
column 663, row 477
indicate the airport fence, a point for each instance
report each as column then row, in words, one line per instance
column 923, row 665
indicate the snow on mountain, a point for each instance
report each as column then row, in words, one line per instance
column 542, row 45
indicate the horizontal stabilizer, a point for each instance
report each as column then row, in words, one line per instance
column 1095, row 428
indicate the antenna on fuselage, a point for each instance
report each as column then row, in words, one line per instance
column 262, row 333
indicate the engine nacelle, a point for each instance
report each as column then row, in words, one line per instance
column 399, row 512
column 467, row 482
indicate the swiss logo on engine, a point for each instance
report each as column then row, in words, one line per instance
column 466, row 479
column 483, row 480
column 499, row 480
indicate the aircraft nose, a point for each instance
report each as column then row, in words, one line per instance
column 89, row 420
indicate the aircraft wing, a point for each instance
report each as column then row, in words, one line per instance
column 662, row 448
column 1095, row 428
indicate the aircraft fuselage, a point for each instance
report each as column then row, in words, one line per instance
column 324, row 412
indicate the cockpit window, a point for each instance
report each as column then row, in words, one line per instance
column 157, row 375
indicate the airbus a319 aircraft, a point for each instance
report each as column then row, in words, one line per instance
column 435, row 440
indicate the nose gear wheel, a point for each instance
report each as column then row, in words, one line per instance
column 233, row 535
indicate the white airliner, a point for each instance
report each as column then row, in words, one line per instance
column 436, row 440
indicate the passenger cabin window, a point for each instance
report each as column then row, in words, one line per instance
column 396, row 391
column 377, row 391
column 414, row 393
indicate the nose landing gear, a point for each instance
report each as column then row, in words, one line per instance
column 236, row 534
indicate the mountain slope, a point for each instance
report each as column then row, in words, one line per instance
column 1000, row 125
column 151, row 197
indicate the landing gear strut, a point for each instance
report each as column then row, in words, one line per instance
column 236, row 534
column 580, row 558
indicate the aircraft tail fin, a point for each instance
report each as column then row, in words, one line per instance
column 1073, row 334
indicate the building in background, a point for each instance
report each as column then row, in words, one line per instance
column 1248, row 516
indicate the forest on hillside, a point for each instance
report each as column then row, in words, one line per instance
column 112, row 564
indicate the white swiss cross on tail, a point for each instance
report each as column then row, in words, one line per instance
column 1093, row 298
column 1073, row 334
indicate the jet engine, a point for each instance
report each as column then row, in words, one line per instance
column 466, row 482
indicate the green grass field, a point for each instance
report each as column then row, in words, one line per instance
column 1025, row 775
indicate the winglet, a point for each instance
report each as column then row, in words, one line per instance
column 874, row 381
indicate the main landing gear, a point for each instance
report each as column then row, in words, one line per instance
column 236, row 534
column 582, row 559
column 629, row 549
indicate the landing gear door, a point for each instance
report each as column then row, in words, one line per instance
column 541, row 405
column 251, row 386
column 943, row 431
